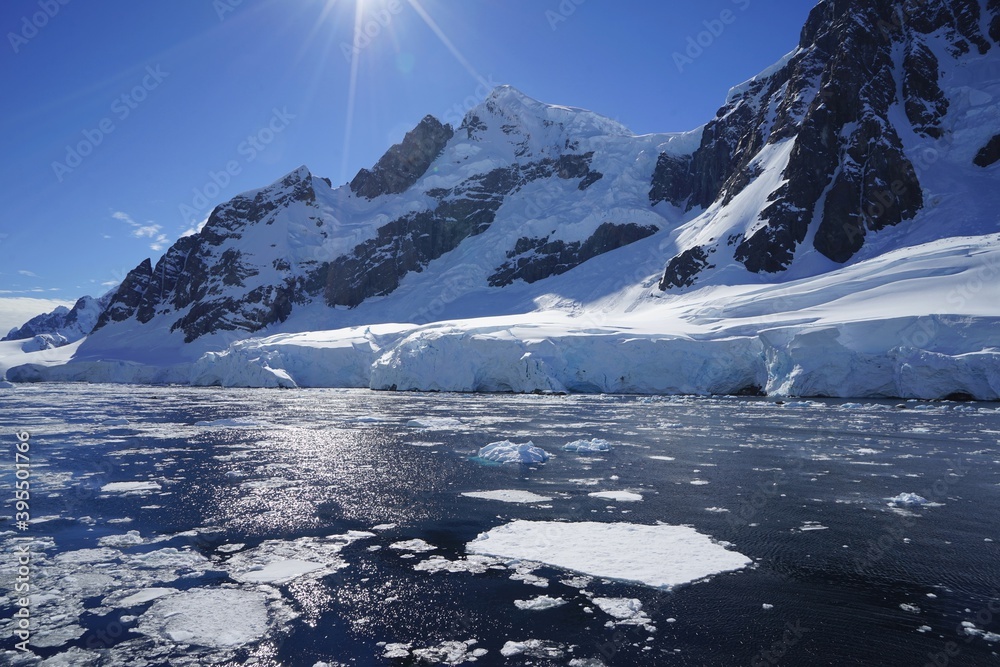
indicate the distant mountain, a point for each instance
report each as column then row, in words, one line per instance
column 872, row 144
column 63, row 325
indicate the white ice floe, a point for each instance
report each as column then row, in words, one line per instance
column 626, row 611
column 145, row 595
column 509, row 452
column 473, row 564
column 447, row 653
column 129, row 539
column 908, row 500
column 413, row 546
column 129, row 487
column 212, row 617
column 618, row 496
column 663, row 458
column 594, row 446
column 662, row 556
column 434, row 423
column 912, row 608
column 508, row 496
column 281, row 561
column 716, row 510
column 234, row 422
column 540, row 603
column 533, row 648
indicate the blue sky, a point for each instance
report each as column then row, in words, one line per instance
column 120, row 117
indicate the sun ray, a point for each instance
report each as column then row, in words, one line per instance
column 351, row 97
column 447, row 42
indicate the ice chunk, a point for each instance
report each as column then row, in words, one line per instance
column 662, row 556
column 145, row 595
column 908, row 500
column 540, row 603
column 627, row 611
column 508, row 496
column 415, row 546
column 534, row 648
column 127, row 487
column 431, row 423
column 129, row 539
column 212, row 617
column 509, row 452
column 593, row 446
column 235, row 422
column 619, row 496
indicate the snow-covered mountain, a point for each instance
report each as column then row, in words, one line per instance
column 847, row 192
column 61, row 326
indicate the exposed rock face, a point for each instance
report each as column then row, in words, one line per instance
column 204, row 280
column 404, row 163
column 988, row 154
column 409, row 243
column 534, row 259
column 682, row 269
column 833, row 98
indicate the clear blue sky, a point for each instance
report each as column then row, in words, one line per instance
column 163, row 94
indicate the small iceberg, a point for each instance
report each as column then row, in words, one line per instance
column 508, row 452
column 594, row 446
column 908, row 500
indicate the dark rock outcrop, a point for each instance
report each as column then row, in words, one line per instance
column 833, row 98
column 404, row 164
column 375, row 267
column 534, row 259
column 682, row 269
column 988, row 154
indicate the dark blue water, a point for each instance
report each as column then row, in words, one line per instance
column 847, row 578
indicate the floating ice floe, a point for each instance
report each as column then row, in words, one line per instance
column 145, row 595
column 663, row 458
column 625, row 611
column 540, row 603
column 212, row 617
column 908, row 500
column 433, row 423
column 448, row 653
column 234, row 422
column 281, row 561
column 594, row 446
column 661, row 556
column 413, row 546
column 509, row 452
column 472, row 564
column 619, row 496
column 129, row 539
column 508, row 496
column 129, row 487
column 534, row 648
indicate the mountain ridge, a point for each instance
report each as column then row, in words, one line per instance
column 878, row 133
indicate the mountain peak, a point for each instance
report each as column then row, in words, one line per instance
column 515, row 109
